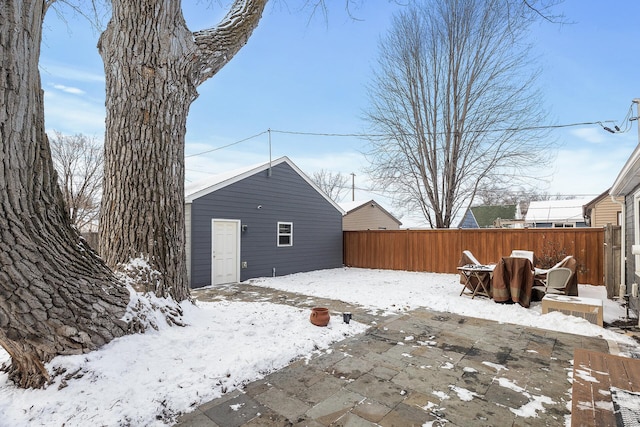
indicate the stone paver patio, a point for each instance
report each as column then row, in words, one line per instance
column 411, row 369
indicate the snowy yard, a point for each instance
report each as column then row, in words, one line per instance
column 146, row 378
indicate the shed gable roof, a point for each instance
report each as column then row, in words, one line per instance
column 216, row 182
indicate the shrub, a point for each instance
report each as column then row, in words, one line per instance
column 552, row 254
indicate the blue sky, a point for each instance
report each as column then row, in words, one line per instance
column 305, row 74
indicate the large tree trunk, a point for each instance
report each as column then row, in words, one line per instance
column 56, row 295
column 153, row 65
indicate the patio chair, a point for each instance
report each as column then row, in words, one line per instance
column 556, row 281
column 568, row 262
column 468, row 258
column 543, row 271
column 517, row 253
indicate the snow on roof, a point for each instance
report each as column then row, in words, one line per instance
column 556, row 210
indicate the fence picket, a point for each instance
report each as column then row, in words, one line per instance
column 439, row 251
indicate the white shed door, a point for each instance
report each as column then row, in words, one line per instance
column 225, row 251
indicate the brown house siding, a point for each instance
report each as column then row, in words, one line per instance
column 368, row 217
column 606, row 211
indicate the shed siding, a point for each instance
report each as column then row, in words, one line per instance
column 368, row 218
column 284, row 196
column 605, row 212
column 187, row 238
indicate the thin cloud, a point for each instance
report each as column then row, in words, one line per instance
column 69, row 89
column 592, row 134
column 70, row 73
column 72, row 114
column 572, row 177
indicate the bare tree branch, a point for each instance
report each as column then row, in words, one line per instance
column 542, row 9
column 218, row 45
column 333, row 184
column 79, row 160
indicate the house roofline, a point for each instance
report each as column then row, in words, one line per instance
column 595, row 200
column 625, row 182
column 378, row 205
column 189, row 198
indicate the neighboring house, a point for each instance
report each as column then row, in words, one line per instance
column 490, row 216
column 265, row 220
column 556, row 213
column 603, row 210
column 367, row 215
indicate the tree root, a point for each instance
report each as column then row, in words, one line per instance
column 25, row 369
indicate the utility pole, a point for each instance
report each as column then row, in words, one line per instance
column 353, row 187
column 637, row 102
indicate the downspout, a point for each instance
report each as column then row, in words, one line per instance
column 623, row 244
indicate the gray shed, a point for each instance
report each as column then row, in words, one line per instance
column 264, row 220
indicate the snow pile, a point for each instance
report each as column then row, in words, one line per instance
column 145, row 309
column 150, row 378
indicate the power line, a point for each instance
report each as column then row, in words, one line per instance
column 373, row 135
column 228, row 145
column 351, row 135
column 380, row 135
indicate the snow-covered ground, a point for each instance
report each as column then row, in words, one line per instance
column 397, row 291
column 148, row 378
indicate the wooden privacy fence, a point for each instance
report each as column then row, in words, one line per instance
column 439, row 251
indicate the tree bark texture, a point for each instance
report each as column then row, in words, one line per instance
column 153, row 65
column 56, row 295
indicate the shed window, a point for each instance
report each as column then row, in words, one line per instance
column 285, row 234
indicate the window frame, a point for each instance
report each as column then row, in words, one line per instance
column 280, row 234
column 564, row 225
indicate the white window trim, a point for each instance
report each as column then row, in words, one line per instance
column 560, row 224
column 278, row 234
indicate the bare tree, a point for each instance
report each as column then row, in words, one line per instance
column 454, row 97
column 333, row 184
column 56, row 295
column 78, row 160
